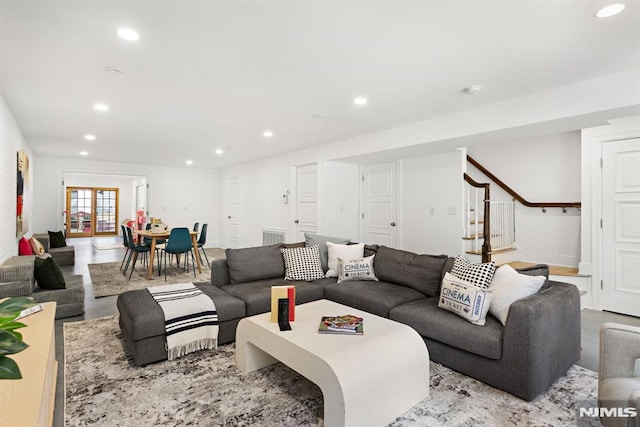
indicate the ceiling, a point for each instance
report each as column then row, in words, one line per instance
column 209, row 74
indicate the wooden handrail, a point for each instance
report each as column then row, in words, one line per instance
column 486, row 226
column 517, row 196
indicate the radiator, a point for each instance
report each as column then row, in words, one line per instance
column 271, row 236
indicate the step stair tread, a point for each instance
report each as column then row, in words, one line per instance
column 494, row 252
column 555, row 270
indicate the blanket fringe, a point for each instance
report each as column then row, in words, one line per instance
column 203, row 344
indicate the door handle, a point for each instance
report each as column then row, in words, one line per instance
column 229, row 217
column 393, row 224
column 296, row 222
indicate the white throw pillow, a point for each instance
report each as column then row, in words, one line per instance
column 345, row 252
column 356, row 269
column 464, row 299
column 509, row 286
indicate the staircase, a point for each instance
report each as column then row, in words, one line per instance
column 501, row 246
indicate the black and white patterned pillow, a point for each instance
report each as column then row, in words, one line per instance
column 302, row 263
column 477, row 274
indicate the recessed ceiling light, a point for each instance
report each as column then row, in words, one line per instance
column 128, row 34
column 360, row 100
column 114, row 70
column 100, row 107
column 188, row 162
column 267, row 134
column 612, row 9
column 90, row 137
column 84, row 153
column 472, row 90
column 219, row 151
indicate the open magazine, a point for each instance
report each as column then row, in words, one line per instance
column 347, row 325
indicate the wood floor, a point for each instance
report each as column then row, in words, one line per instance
column 106, row 249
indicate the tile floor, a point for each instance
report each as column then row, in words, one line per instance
column 86, row 253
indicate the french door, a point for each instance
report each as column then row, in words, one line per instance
column 91, row 211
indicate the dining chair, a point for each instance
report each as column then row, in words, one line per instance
column 179, row 243
column 135, row 251
column 201, row 241
column 126, row 245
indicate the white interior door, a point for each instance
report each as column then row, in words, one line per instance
column 621, row 226
column 233, row 212
column 306, row 220
column 379, row 200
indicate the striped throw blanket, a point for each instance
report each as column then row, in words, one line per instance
column 190, row 318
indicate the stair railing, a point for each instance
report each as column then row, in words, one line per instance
column 518, row 197
column 486, row 229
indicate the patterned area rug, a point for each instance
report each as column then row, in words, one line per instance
column 108, row 280
column 104, row 388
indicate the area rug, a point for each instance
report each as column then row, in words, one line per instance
column 103, row 388
column 107, row 279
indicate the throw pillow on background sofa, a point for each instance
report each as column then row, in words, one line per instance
column 24, row 247
column 337, row 251
column 36, row 246
column 508, row 286
column 48, row 274
column 356, row 269
column 56, row 239
column 312, row 239
column 464, row 299
column 476, row 274
column 302, row 263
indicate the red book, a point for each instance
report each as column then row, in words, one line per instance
column 291, row 294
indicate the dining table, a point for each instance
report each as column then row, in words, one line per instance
column 154, row 236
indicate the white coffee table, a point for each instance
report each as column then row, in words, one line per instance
column 366, row 380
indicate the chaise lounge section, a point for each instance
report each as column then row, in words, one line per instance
column 539, row 342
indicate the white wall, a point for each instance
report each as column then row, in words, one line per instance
column 179, row 195
column 12, row 140
column 431, row 203
column 545, row 168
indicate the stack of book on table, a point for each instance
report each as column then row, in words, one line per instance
column 348, row 325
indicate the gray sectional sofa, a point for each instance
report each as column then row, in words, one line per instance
column 540, row 341
column 17, row 279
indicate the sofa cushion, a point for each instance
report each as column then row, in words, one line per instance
column 312, row 239
column 302, row 263
column 440, row 325
column 249, row 264
column 56, row 239
column 374, row 297
column 508, row 286
column 535, row 270
column 48, row 274
column 420, row 272
column 257, row 295
column 462, row 298
column 477, row 274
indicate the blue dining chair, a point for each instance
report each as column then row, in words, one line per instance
column 126, row 246
column 201, row 242
column 135, row 251
column 179, row 243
